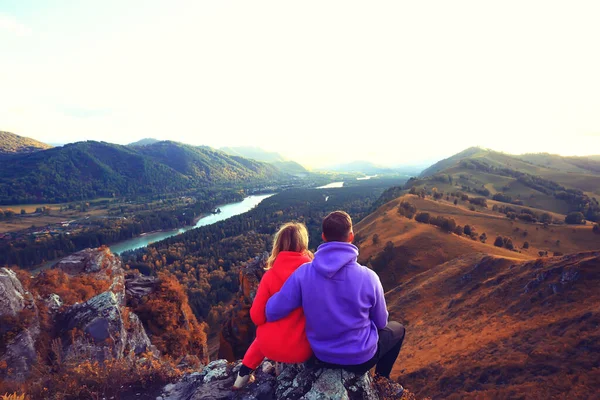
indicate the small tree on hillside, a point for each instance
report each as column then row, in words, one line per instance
column 458, row 230
column 23, row 212
column 455, row 202
column 546, row 218
column 499, row 242
column 467, row 230
column 596, row 228
column 575, row 218
column 526, row 245
column 422, row 217
column 508, row 243
column 448, row 224
column 483, row 237
column 407, row 209
column 375, row 238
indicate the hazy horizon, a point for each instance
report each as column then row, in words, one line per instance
column 320, row 83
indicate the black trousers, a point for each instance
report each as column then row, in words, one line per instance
column 388, row 348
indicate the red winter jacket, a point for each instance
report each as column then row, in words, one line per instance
column 284, row 340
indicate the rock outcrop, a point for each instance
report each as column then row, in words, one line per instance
column 103, row 327
column 100, row 328
column 295, row 382
column 11, row 293
column 238, row 331
column 19, row 327
column 104, row 330
column 88, row 261
column 138, row 286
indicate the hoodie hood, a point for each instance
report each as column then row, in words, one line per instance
column 331, row 257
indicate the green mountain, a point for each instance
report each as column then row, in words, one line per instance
column 548, row 182
column 580, row 165
column 276, row 159
column 208, row 164
column 87, row 170
column 364, row 167
column 290, row 167
column 144, row 142
column 15, row 144
column 255, row 153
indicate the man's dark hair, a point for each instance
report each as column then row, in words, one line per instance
column 337, row 226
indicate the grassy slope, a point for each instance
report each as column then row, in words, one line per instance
column 11, row 143
column 473, row 332
column 421, row 246
column 570, row 172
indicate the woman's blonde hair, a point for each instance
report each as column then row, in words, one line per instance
column 292, row 236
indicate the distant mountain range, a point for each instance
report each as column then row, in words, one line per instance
column 544, row 181
column 369, row 168
column 256, row 153
column 87, row 170
column 525, row 162
column 15, row 144
column 144, row 142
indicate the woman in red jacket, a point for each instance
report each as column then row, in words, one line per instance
column 284, row 340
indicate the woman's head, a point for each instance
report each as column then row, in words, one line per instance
column 292, row 236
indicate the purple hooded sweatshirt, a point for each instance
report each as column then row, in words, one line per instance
column 343, row 303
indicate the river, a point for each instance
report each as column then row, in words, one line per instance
column 227, row 211
column 332, row 185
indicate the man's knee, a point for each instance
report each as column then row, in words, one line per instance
column 397, row 329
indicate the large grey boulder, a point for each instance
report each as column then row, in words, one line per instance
column 19, row 316
column 88, row 261
column 138, row 286
column 295, row 382
column 100, row 264
column 12, row 298
column 103, row 329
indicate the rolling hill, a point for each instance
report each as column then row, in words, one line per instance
column 579, row 165
column 485, row 321
column 550, row 182
column 487, row 327
column 361, row 167
column 418, row 246
column 255, row 153
column 88, row 170
column 273, row 158
column 15, row 144
column 143, row 142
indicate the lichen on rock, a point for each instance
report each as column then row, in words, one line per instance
column 295, row 382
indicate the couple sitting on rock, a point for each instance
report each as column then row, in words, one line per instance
column 326, row 304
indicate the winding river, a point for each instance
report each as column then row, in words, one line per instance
column 227, row 211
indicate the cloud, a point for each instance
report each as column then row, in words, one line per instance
column 12, row 26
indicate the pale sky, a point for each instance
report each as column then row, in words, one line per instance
column 321, row 82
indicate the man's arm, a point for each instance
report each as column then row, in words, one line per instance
column 286, row 300
column 379, row 314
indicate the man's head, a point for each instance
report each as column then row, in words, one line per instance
column 337, row 227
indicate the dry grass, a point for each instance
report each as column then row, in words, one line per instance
column 399, row 230
column 13, row 396
column 474, row 332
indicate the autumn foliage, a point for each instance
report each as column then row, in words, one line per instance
column 165, row 314
column 170, row 321
column 71, row 289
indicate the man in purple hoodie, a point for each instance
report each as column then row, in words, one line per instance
column 344, row 305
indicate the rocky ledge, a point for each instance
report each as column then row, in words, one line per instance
column 295, row 382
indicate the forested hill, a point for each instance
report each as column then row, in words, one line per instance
column 11, row 144
column 87, row 170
